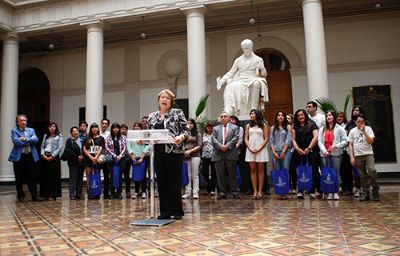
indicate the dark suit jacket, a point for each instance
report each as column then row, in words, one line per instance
column 72, row 151
column 232, row 139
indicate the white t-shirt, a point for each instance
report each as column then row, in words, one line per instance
column 360, row 145
column 319, row 119
column 105, row 134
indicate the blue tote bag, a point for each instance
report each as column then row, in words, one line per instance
column 115, row 173
column 304, row 176
column 238, row 176
column 185, row 176
column 94, row 183
column 329, row 180
column 139, row 172
column 280, row 179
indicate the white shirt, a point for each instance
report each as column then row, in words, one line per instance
column 360, row 145
column 319, row 119
column 105, row 134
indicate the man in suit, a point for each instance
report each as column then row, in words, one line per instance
column 225, row 137
column 23, row 155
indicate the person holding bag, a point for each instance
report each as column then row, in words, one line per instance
column 73, row 156
column 137, row 151
column 92, row 152
column 305, row 139
column 332, row 140
column 281, row 143
column 50, row 174
column 116, row 149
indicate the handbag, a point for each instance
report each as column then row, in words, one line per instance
column 238, row 176
column 94, row 183
column 304, row 177
column 64, row 156
column 280, row 179
column 138, row 171
column 115, row 173
column 185, row 174
column 329, row 180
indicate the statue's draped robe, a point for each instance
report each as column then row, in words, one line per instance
column 240, row 81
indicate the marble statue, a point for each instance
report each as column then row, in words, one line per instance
column 246, row 85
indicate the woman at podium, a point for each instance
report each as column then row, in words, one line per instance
column 168, row 158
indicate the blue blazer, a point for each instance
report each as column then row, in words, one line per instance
column 18, row 148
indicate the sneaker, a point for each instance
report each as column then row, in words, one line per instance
column 144, row 195
column 364, row 197
column 300, row 195
column 329, row 197
column 356, row 192
column 186, row 195
column 336, row 196
column 212, row 193
column 135, row 195
column 196, row 196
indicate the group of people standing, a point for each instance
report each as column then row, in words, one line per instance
column 320, row 140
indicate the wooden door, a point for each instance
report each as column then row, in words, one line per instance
column 279, row 83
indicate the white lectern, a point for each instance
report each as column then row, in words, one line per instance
column 152, row 137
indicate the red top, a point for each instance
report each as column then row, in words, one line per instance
column 328, row 139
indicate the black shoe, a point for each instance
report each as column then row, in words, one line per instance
column 177, row 217
column 164, row 217
column 375, row 196
column 236, row 196
column 20, row 199
column 128, row 194
column 347, row 193
column 37, row 199
column 118, row 197
column 106, row 196
column 221, row 197
column 79, row 197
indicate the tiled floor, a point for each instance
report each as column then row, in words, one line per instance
column 228, row 227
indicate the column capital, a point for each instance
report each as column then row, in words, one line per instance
column 11, row 36
column 96, row 25
column 197, row 9
column 304, row 2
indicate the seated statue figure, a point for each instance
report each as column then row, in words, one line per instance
column 246, row 84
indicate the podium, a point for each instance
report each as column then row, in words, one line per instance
column 152, row 137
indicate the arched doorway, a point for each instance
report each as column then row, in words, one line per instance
column 279, row 83
column 34, row 99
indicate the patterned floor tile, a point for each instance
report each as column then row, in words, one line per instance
column 209, row 227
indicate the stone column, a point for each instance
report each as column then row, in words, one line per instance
column 196, row 48
column 317, row 74
column 94, row 73
column 9, row 103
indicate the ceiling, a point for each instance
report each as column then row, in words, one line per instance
column 218, row 17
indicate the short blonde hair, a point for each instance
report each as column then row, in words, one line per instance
column 169, row 93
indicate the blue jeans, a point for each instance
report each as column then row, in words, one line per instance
column 282, row 163
column 333, row 162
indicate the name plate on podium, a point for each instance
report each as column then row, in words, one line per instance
column 157, row 136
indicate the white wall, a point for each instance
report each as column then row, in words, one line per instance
column 358, row 53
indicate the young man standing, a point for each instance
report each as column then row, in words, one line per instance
column 361, row 138
column 319, row 119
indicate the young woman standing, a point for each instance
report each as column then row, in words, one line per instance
column 256, row 139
